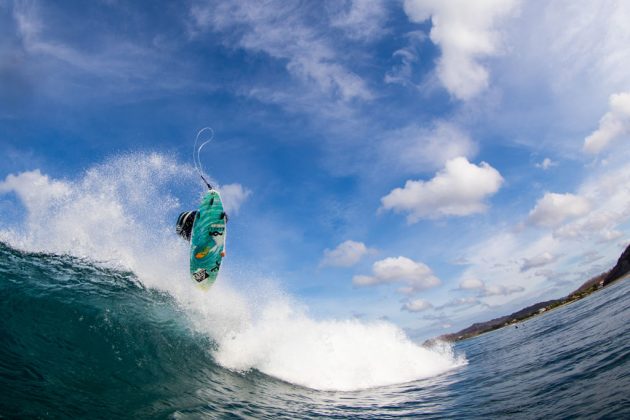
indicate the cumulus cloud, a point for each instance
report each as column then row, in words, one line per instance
column 614, row 124
column 458, row 190
column 553, row 209
column 416, row 305
column 600, row 222
column 414, row 275
column 530, row 258
column 466, row 31
column 539, row 260
column 346, row 254
column 35, row 190
column 234, row 195
column 609, row 196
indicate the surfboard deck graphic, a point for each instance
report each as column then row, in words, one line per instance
column 208, row 240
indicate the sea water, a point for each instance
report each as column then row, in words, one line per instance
column 81, row 340
column 96, row 323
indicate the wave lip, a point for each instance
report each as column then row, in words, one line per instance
column 342, row 355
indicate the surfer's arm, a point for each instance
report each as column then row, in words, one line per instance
column 223, row 253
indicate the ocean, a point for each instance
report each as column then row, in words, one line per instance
column 98, row 319
column 80, row 339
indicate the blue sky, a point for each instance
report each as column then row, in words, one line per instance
column 431, row 163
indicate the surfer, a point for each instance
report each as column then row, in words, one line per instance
column 204, row 228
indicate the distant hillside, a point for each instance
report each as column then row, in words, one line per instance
column 618, row 271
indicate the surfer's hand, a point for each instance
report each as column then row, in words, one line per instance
column 223, row 253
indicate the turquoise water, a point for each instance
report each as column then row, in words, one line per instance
column 81, row 340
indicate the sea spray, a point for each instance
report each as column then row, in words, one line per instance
column 331, row 354
column 120, row 214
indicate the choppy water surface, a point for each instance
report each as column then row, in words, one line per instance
column 80, row 340
column 129, row 337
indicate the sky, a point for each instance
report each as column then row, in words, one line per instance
column 429, row 163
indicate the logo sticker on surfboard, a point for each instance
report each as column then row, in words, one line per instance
column 200, row 275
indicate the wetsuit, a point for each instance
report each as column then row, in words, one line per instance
column 185, row 223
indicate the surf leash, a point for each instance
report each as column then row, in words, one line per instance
column 197, row 150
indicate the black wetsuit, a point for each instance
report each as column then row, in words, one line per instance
column 185, row 223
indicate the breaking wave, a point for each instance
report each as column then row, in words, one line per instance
column 103, row 281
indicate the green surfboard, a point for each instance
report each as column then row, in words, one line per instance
column 207, row 243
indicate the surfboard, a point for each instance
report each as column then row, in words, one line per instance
column 208, row 240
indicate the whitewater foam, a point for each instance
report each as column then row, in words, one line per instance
column 120, row 213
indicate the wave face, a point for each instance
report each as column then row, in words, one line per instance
column 82, row 340
column 79, row 340
column 98, row 316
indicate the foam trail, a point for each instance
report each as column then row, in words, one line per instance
column 121, row 213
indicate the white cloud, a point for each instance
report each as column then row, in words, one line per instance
column 587, row 40
column 500, row 290
column 280, row 30
column 30, row 28
column 614, row 124
column 402, row 72
column 362, row 20
column 465, row 301
column 415, row 148
column 35, row 190
column 590, row 256
column 564, row 59
column 466, row 31
column 363, row 280
column 233, row 196
column 609, row 194
column 546, row 164
column 471, row 284
column 458, row 190
column 127, row 66
column 415, row 275
column 553, row 209
column 524, row 260
column 539, row 260
column 483, row 290
column 416, row 305
column 346, row 254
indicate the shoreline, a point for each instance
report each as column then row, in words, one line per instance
column 619, row 272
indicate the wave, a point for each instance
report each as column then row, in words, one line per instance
column 103, row 262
